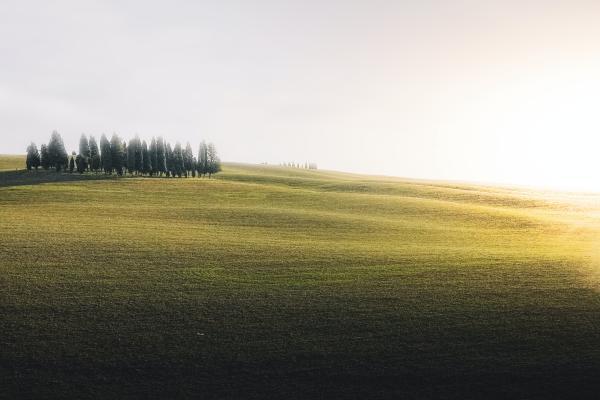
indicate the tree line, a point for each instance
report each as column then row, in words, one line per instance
column 306, row 165
column 116, row 156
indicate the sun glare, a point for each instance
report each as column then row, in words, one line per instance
column 544, row 129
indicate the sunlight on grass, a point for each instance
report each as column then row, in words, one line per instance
column 274, row 264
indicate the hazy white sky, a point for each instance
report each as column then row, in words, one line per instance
column 495, row 91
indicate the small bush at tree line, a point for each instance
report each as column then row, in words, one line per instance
column 119, row 157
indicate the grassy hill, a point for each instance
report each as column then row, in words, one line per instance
column 11, row 162
column 272, row 282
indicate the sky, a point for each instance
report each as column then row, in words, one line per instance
column 485, row 91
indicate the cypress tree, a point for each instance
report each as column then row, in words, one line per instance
column 170, row 161
column 194, row 167
column 124, row 156
column 106, row 155
column 178, row 160
column 94, row 155
column 57, row 155
column 80, row 163
column 131, row 156
column 147, row 160
column 33, row 157
column 213, row 162
column 153, row 157
column 117, row 154
column 139, row 158
column 45, row 157
column 71, row 164
column 188, row 159
column 161, row 156
column 84, row 151
column 202, row 159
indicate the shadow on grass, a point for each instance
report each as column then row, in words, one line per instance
column 24, row 177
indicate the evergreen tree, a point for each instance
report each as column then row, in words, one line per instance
column 106, row 155
column 45, row 157
column 124, row 156
column 147, row 160
column 57, row 155
column 33, row 157
column 170, row 160
column 80, row 163
column 94, row 155
column 161, row 156
column 117, row 154
column 84, row 151
column 194, row 167
column 203, row 159
column 213, row 162
column 178, row 160
column 131, row 156
column 153, row 157
column 71, row 164
column 188, row 159
column 139, row 160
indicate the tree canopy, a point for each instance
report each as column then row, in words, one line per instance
column 33, row 157
column 121, row 157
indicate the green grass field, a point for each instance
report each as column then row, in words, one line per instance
column 271, row 282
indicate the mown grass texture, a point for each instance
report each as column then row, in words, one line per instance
column 271, row 282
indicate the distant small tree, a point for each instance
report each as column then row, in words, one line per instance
column 146, row 159
column 161, row 156
column 57, row 154
column 80, row 163
column 188, row 159
column 170, row 160
column 178, row 160
column 153, row 157
column 72, row 164
column 116, row 151
column 45, row 157
column 106, row 155
column 84, row 150
column 94, row 162
column 124, row 155
column 194, row 167
column 137, row 151
column 213, row 162
column 131, row 157
column 33, row 157
column 203, row 159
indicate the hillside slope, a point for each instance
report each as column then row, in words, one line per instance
column 283, row 283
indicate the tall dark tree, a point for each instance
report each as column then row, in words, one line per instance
column 170, row 160
column 147, row 159
column 178, row 160
column 139, row 158
column 124, row 155
column 194, row 167
column 72, row 163
column 45, row 157
column 57, row 154
column 203, row 159
column 161, row 156
column 94, row 155
column 188, row 159
column 84, row 151
column 153, row 157
column 33, row 157
column 131, row 156
column 106, row 155
column 117, row 154
column 80, row 163
column 213, row 162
